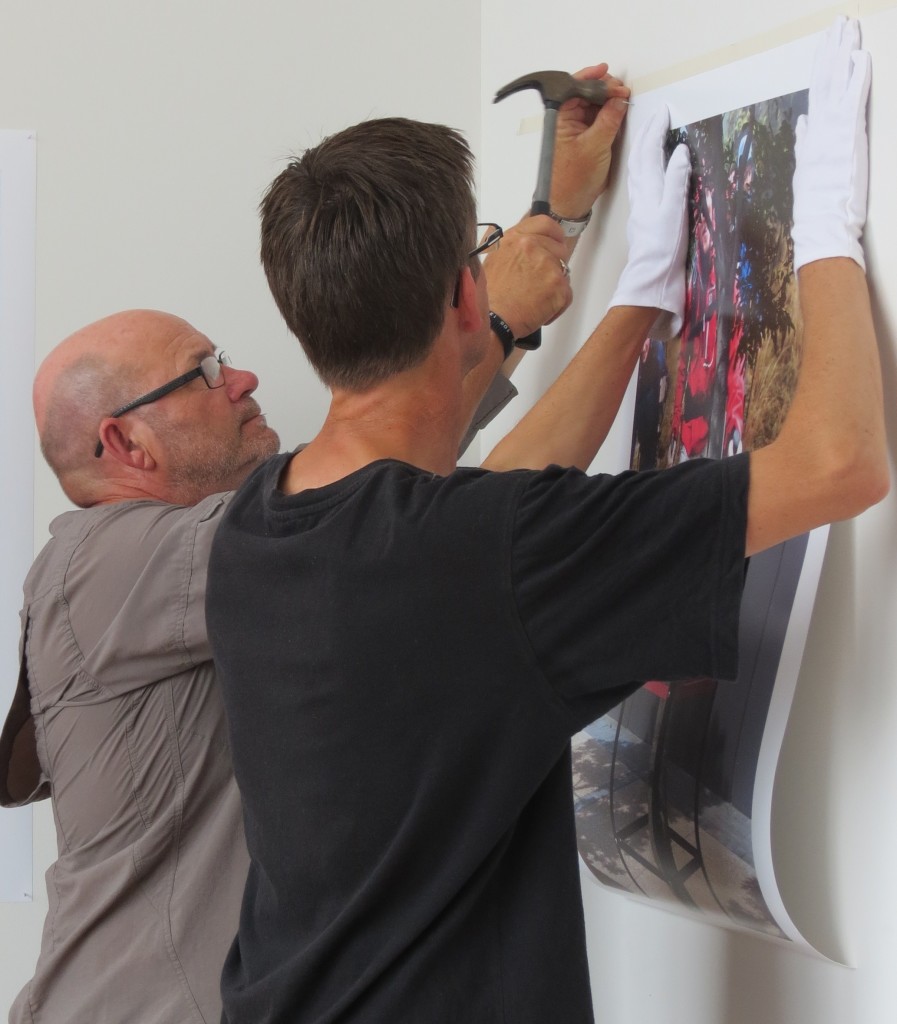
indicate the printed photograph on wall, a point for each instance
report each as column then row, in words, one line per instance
column 666, row 785
column 726, row 382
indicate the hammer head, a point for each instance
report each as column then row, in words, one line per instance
column 556, row 87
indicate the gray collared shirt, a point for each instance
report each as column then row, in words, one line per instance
column 132, row 744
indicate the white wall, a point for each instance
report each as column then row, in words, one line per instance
column 833, row 830
column 159, row 125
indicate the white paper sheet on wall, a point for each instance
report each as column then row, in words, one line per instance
column 17, row 231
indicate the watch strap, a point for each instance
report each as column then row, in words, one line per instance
column 531, row 342
column 504, row 333
column 572, row 227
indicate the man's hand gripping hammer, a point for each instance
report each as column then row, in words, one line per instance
column 555, row 88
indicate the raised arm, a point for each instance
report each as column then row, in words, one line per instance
column 527, row 283
column 570, row 422
column 829, row 461
column 581, row 171
column 527, row 275
column 584, row 148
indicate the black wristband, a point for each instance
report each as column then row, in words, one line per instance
column 504, row 333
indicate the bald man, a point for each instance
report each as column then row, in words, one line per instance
column 127, row 727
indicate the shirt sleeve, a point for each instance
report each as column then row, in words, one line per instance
column 500, row 392
column 158, row 627
column 21, row 779
column 624, row 579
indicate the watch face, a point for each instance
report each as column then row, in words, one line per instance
column 572, row 227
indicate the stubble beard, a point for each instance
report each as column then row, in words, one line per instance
column 219, row 464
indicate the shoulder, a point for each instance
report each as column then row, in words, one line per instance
column 385, row 483
column 125, row 536
column 696, row 480
column 261, row 484
column 134, row 516
column 149, row 520
column 478, row 495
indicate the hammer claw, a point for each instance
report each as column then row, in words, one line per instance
column 556, row 87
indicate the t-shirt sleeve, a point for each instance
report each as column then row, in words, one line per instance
column 624, row 579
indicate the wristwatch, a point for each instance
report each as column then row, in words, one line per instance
column 504, row 333
column 573, row 227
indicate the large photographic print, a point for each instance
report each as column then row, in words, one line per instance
column 667, row 786
column 664, row 785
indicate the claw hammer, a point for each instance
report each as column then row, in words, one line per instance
column 555, row 88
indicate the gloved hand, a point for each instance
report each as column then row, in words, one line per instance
column 657, row 229
column 831, row 174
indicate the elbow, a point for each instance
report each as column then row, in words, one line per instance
column 879, row 485
column 859, row 480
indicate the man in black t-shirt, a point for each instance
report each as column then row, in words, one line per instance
column 145, row 424
column 405, row 648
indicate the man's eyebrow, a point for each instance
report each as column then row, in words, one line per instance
column 201, row 352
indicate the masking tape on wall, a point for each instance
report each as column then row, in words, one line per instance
column 737, row 51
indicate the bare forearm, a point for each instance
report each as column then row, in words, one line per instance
column 830, row 460
column 570, row 422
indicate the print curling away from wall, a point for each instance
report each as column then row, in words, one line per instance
column 672, row 794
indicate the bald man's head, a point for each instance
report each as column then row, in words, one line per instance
column 180, row 449
column 82, row 380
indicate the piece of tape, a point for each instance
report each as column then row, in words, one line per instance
column 760, row 43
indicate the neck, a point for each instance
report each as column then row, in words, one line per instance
column 416, row 417
column 124, row 486
column 117, row 492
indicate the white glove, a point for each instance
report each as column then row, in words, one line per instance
column 657, row 229
column 831, row 174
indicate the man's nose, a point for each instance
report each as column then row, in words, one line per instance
column 239, row 382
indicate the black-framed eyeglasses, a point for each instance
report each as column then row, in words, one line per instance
column 491, row 235
column 209, row 369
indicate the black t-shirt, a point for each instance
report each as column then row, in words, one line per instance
column 404, row 658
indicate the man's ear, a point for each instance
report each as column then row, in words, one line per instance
column 124, row 447
column 470, row 316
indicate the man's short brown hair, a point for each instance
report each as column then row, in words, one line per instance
column 362, row 240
